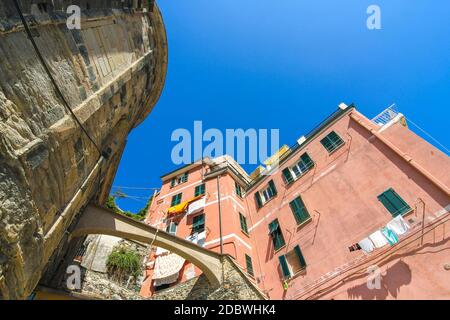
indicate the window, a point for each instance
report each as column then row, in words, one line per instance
column 299, row 169
column 249, row 264
column 176, row 199
column 238, row 189
column 332, row 142
column 394, row 203
column 266, row 194
column 243, row 220
column 199, row 190
column 172, row 228
column 276, row 234
column 292, row 262
column 179, row 180
column 299, row 210
column 198, row 224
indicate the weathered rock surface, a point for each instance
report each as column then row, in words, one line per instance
column 236, row 286
column 111, row 72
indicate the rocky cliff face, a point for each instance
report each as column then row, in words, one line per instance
column 111, row 72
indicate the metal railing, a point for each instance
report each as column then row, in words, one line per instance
column 386, row 116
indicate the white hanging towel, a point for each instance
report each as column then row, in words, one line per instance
column 196, row 206
column 378, row 239
column 160, row 251
column 398, row 225
column 167, row 269
column 366, row 245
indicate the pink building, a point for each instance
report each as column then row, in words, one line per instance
column 353, row 200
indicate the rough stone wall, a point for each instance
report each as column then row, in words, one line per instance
column 236, row 286
column 97, row 282
column 111, row 73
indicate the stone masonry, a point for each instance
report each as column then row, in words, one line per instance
column 111, row 72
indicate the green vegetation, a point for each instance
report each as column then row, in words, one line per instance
column 123, row 263
column 139, row 216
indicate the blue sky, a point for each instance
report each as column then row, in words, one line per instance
column 287, row 64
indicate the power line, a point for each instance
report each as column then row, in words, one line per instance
column 134, row 188
column 429, row 135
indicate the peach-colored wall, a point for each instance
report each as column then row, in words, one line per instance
column 340, row 194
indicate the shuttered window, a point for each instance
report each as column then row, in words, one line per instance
column 292, row 262
column 178, row 180
column 249, row 264
column 199, row 190
column 198, row 224
column 276, row 234
column 393, row 202
column 243, row 221
column 299, row 210
column 266, row 194
column 238, row 189
column 258, row 200
column 332, row 142
column 172, row 228
column 287, row 175
column 284, row 267
column 176, row 199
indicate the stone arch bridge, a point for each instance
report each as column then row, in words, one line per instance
column 99, row 220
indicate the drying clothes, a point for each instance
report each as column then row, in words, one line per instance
column 398, row 225
column 167, row 269
column 354, row 247
column 366, row 245
column 161, row 251
column 196, row 206
column 390, row 235
column 378, row 239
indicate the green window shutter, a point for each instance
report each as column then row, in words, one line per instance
column 243, row 221
column 393, row 202
column 172, row 183
column 284, row 267
column 287, row 175
column 272, row 187
column 327, row 144
column 176, row 199
column 249, row 264
column 332, row 141
column 300, row 257
column 199, row 190
column 273, row 226
column 238, row 189
column 258, row 200
column 306, row 160
column 184, row 177
column 198, row 222
column 299, row 210
column 278, row 239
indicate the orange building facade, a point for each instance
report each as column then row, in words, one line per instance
column 320, row 222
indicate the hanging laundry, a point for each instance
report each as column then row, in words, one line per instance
column 354, row 247
column 378, row 239
column 366, row 245
column 196, row 206
column 390, row 235
column 167, row 269
column 398, row 225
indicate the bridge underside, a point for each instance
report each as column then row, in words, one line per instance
column 99, row 220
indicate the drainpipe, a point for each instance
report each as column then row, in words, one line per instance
column 220, row 215
column 402, row 154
